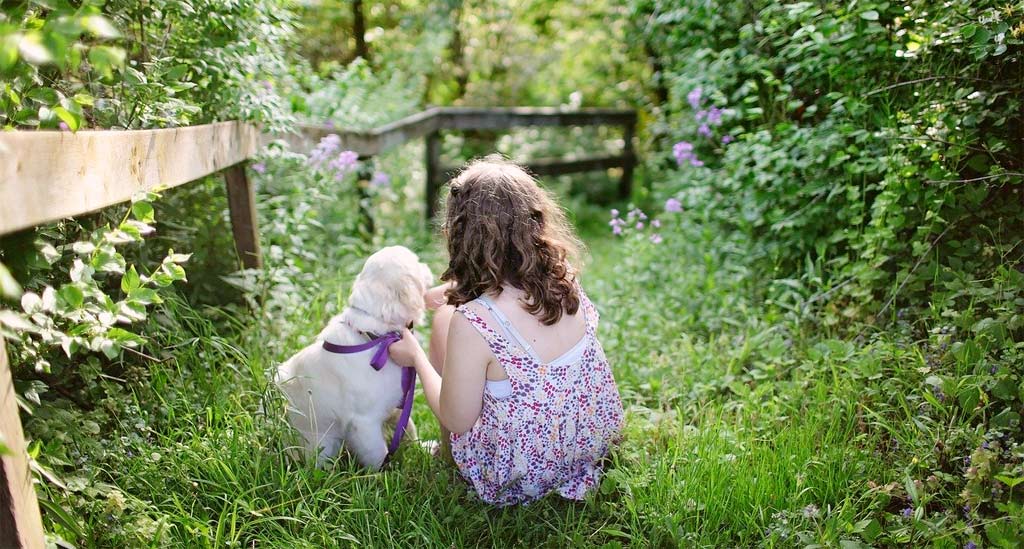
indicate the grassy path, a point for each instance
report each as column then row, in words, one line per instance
column 734, row 435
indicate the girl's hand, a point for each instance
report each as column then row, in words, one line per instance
column 406, row 351
column 434, row 297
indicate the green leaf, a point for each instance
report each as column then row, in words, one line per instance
column 46, row 96
column 143, row 211
column 870, row 15
column 9, row 287
column 130, row 281
column 73, row 122
column 33, row 50
column 106, row 59
column 71, row 295
column 9, row 51
column 100, row 26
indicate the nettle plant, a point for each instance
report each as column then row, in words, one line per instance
column 90, row 313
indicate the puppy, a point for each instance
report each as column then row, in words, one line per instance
column 339, row 400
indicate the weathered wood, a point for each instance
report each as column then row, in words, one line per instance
column 49, row 175
column 378, row 140
column 469, row 118
column 626, row 182
column 244, row 223
column 20, row 522
column 556, row 166
column 434, row 173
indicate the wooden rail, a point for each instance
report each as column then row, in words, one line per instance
column 49, row 175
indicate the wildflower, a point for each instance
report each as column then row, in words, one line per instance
column 639, row 225
column 967, row 509
column 380, row 179
column 673, row 205
column 616, row 230
column 908, row 512
column 714, row 116
column 971, row 545
column 693, row 98
column 267, row 85
column 656, row 223
column 811, row 511
column 259, row 167
column 615, row 213
column 656, row 238
column 704, row 130
column 345, row 162
column 696, row 162
column 63, row 126
column 683, row 151
column 327, row 146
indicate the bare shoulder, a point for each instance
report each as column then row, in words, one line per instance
column 464, row 336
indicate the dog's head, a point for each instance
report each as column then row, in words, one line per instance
column 388, row 293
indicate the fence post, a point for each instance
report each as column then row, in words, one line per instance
column 626, row 183
column 20, row 522
column 433, row 159
column 242, row 206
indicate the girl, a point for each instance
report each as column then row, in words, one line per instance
column 516, row 375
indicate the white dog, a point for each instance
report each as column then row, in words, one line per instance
column 339, row 399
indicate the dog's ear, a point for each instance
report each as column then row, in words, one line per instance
column 426, row 276
column 404, row 302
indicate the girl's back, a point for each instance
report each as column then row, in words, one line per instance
column 547, row 426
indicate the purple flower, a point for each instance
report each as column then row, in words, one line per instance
column 696, row 162
column 714, row 116
column 327, row 146
column 639, row 225
column 726, row 139
column 970, row 545
column 693, row 98
column 984, row 445
column 673, row 205
column 683, row 151
column 259, row 167
column 656, row 223
column 615, row 213
column 704, row 130
column 63, row 126
column 656, row 238
column 345, row 162
column 908, row 512
column 616, row 230
column 380, row 179
column 267, row 85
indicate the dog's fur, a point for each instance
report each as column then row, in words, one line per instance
column 339, row 400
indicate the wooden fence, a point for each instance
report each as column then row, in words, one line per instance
column 47, row 175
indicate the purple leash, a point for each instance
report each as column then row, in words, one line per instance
column 379, row 359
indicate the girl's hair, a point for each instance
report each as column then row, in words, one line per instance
column 502, row 228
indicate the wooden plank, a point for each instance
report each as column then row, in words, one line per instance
column 244, row 223
column 50, row 175
column 378, row 140
column 468, row 118
column 434, row 173
column 543, row 167
column 20, row 522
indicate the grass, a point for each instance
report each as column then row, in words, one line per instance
column 743, row 429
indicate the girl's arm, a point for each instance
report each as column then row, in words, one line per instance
column 457, row 401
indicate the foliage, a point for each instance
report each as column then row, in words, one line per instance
column 125, row 64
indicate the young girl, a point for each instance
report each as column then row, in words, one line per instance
column 516, row 373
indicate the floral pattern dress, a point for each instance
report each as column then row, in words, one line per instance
column 551, row 431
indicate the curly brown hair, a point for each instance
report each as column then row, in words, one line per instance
column 503, row 228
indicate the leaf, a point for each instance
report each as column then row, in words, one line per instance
column 143, row 211
column 105, row 59
column 130, row 281
column 9, row 287
column 33, row 50
column 9, row 50
column 73, row 122
column 100, row 26
column 72, row 295
column 870, row 15
column 1009, row 481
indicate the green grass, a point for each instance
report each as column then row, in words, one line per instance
column 742, row 430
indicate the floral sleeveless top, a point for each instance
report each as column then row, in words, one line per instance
column 550, row 431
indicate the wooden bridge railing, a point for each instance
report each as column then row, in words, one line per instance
column 49, row 175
